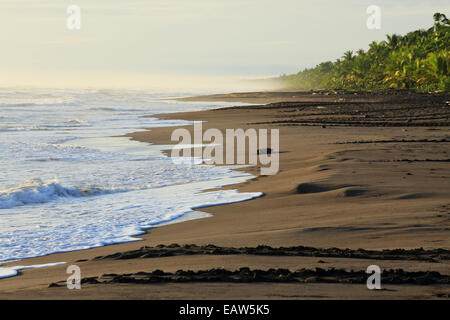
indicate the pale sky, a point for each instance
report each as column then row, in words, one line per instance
column 168, row 39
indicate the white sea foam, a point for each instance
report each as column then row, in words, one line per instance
column 13, row 271
column 37, row 191
column 66, row 185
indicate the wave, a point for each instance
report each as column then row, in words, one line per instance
column 36, row 191
column 117, row 109
column 74, row 123
column 103, row 109
column 13, row 271
column 33, row 104
column 21, row 128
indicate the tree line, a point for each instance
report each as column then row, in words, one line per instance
column 419, row 60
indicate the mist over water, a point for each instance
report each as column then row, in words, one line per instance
column 164, row 84
column 68, row 183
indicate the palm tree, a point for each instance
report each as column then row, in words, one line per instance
column 419, row 60
column 438, row 64
column 348, row 55
column 440, row 20
column 393, row 40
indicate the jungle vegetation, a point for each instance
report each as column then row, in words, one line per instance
column 419, row 61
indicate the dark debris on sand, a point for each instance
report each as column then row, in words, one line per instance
column 419, row 254
column 247, row 275
column 364, row 110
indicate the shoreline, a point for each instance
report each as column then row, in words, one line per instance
column 195, row 210
column 292, row 212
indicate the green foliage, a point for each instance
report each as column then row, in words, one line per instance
column 419, row 60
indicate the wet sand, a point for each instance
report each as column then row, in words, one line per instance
column 366, row 171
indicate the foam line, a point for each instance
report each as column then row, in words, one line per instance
column 13, row 271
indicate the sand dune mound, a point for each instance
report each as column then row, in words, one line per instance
column 409, row 196
column 304, row 188
column 349, row 192
column 337, row 191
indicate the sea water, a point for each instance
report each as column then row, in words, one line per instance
column 68, row 182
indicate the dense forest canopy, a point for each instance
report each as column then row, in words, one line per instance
column 419, row 60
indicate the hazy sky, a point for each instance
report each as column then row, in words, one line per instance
column 124, row 39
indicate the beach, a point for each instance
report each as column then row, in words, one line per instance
column 357, row 171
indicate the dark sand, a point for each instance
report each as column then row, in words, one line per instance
column 356, row 171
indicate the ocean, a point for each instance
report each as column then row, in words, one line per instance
column 69, row 183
